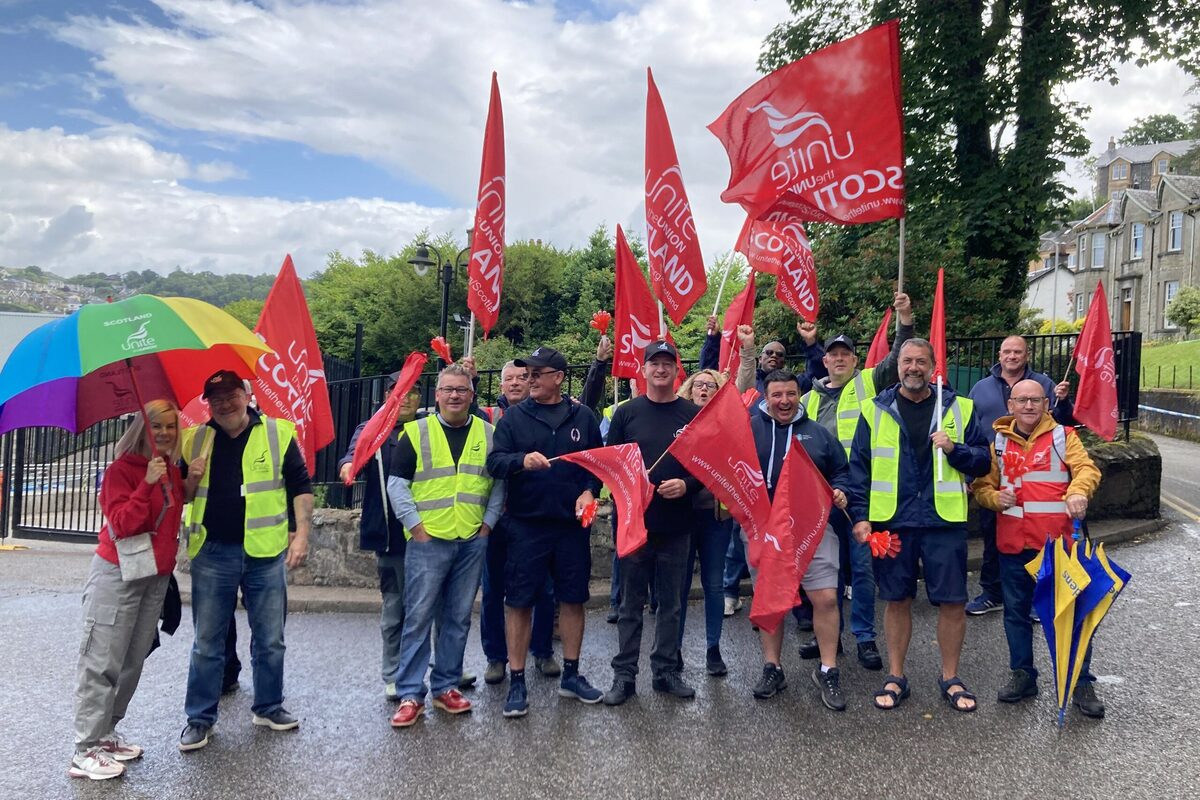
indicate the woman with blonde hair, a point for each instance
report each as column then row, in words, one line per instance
column 710, row 539
column 143, row 492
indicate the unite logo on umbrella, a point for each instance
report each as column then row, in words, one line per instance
column 140, row 340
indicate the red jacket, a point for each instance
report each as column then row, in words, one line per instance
column 131, row 506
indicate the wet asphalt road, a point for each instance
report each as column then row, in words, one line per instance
column 724, row 744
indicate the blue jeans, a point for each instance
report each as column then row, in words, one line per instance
column 862, row 581
column 217, row 572
column 491, row 612
column 1017, row 587
column 710, row 541
column 989, row 569
column 391, row 614
column 441, row 578
column 735, row 563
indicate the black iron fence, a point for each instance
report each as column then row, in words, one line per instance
column 52, row 478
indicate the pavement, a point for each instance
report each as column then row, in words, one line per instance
column 724, row 744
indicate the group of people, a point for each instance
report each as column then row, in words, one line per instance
column 464, row 496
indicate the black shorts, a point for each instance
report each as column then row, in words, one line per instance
column 537, row 548
column 943, row 557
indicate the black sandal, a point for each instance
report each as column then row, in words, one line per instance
column 953, row 697
column 897, row 697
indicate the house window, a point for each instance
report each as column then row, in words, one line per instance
column 1070, row 261
column 1079, row 305
column 1137, row 234
column 1162, row 166
column 1119, row 171
column 1175, row 231
column 1170, row 289
column 1098, row 250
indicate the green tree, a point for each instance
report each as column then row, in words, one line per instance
column 1156, row 128
column 1184, row 310
column 987, row 129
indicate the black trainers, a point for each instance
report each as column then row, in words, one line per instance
column 1085, row 699
column 277, row 720
column 868, row 656
column 1020, row 685
column 621, row 691
column 811, row 649
column 193, row 737
column 771, row 683
column 612, row 617
column 714, row 665
column 831, row 690
column 671, row 683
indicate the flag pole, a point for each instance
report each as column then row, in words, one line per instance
column 382, row 484
column 662, row 325
column 900, row 272
column 939, row 426
column 721, row 290
column 471, row 336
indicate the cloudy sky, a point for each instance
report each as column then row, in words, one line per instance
column 221, row 134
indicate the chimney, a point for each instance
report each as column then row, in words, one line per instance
column 1112, row 146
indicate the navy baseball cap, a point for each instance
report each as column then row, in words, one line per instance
column 222, row 381
column 660, row 348
column 841, row 339
column 543, row 357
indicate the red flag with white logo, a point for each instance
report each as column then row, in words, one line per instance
column 621, row 468
column 672, row 249
column 383, row 422
column 796, row 283
column 740, row 312
column 636, row 321
column 717, row 447
column 290, row 383
column 937, row 329
column 1096, row 398
column 795, row 528
column 879, row 345
column 823, row 137
column 486, row 270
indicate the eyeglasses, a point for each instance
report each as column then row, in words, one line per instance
column 454, row 390
column 774, row 353
column 223, row 400
column 1027, row 401
column 703, row 385
column 538, row 374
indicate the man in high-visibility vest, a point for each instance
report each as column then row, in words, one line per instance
column 898, row 484
column 237, row 530
column 1056, row 478
column 446, row 499
column 835, row 403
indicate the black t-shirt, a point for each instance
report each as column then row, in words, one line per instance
column 653, row 426
column 918, row 420
column 225, row 508
column 404, row 458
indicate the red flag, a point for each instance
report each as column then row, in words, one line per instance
column 486, row 270
column 794, row 531
column 879, row 345
column 290, row 383
column 823, row 137
column 621, row 468
column 383, row 421
column 636, row 323
column 740, row 312
column 796, row 284
column 676, row 263
column 1095, row 362
column 937, row 330
column 718, row 448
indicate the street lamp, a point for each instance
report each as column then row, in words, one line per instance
column 421, row 262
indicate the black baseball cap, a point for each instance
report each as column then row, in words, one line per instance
column 394, row 377
column 659, row 348
column 222, row 381
column 543, row 357
column 843, row 340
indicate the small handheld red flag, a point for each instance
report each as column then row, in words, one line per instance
column 937, row 330
column 740, row 312
column 381, row 423
column 879, row 345
column 621, row 468
column 1095, row 362
column 637, row 315
column 486, row 265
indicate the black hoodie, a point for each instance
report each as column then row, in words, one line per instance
column 771, row 440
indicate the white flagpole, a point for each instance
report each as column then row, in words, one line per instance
column 471, row 336
column 662, row 325
column 900, row 273
column 382, row 483
column 939, row 427
column 721, row 290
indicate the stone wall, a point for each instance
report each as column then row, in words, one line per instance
column 1132, row 477
column 1171, row 412
column 333, row 555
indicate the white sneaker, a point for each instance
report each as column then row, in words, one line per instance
column 730, row 606
column 115, row 745
column 95, row 764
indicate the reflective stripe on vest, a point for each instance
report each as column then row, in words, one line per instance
column 949, row 494
column 266, row 519
column 1041, row 509
column 850, row 406
column 450, row 499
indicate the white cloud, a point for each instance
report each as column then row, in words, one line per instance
column 74, row 203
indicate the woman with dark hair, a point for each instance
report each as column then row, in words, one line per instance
column 143, row 492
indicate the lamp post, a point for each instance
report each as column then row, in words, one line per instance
column 421, row 262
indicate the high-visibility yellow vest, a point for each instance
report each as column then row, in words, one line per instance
column 450, row 499
column 949, row 494
column 854, row 396
column 266, row 531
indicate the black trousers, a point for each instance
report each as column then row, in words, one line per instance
column 663, row 561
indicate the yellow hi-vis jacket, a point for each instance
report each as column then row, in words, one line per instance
column 860, row 390
column 450, row 499
column 262, row 486
column 949, row 494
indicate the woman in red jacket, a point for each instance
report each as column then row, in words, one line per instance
column 142, row 492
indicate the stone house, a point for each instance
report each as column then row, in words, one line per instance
column 1136, row 166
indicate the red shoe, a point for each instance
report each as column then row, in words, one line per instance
column 407, row 714
column 452, row 701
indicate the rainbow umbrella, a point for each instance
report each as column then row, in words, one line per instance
column 95, row 363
